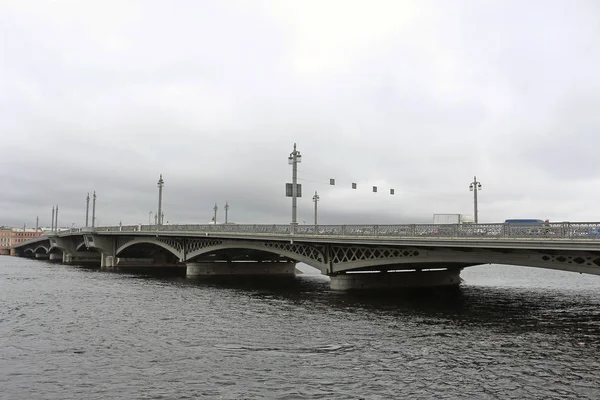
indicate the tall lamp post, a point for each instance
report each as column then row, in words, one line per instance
column 316, row 200
column 475, row 187
column 87, row 209
column 293, row 160
column 149, row 216
column 215, row 217
column 226, row 210
column 160, row 185
column 94, row 210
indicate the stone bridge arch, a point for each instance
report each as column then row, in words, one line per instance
column 55, row 248
column 298, row 252
column 173, row 246
column 345, row 259
column 41, row 247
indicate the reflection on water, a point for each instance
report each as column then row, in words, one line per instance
column 507, row 332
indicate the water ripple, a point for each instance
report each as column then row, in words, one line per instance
column 70, row 333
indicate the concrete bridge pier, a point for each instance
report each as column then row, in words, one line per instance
column 82, row 257
column 393, row 280
column 56, row 256
column 40, row 256
column 245, row 268
column 106, row 261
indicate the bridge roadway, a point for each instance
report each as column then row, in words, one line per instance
column 353, row 256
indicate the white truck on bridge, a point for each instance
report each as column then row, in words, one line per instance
column 441, row 219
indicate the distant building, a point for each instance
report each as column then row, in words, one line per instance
column 13, row 236
column 5, row 239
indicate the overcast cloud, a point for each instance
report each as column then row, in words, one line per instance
column 418, row 96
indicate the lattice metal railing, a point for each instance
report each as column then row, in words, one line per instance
column 556, row 230
column 344, row 254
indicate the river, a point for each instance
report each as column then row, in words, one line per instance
column 68, row 332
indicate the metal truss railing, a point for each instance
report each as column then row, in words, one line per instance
column 556, row 230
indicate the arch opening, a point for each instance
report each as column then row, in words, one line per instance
column 240, row 255
column 41, row 250
column 148, row 251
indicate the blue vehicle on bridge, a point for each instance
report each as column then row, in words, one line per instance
column 524, row 221
column 528, row 226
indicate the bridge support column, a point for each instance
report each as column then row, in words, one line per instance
column 391, row 280
column 41, row 256
column 67, row 258
column 106, row 261
column 206, row 269
column 85, row 257
column 56, row 256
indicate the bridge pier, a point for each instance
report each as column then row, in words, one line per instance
column 206, row 269
column 81, row 257
column 40, row 256
column 391, row 280
column 106, row 261
column 56, row 256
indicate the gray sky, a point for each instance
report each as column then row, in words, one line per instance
column 418, row 96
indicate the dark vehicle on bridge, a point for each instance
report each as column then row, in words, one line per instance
column 529, row 226
column 524, row 221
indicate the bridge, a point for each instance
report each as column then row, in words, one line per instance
column 353, row 256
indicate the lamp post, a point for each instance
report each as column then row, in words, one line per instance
column 316, row 200
column 94, row 209
column 149, row 216
column 475, row 187
column 87, row 209
column 293, row 160
column 160, row 185
column 215, row 216
column 226, row 211
column 52, row 226
column 56, row 223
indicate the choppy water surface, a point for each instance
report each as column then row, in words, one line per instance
column 508, row 332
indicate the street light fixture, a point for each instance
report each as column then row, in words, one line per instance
column 293, row 160
column 149, row 217
column 215, row 217
column 316, row 200
column 94, row 210
column 475, row 187
column 87, row 209
column 226, row 211
column 160, row 185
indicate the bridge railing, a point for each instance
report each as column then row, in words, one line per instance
column 556, row 230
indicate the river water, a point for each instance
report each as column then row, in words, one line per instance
column 508, row 333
